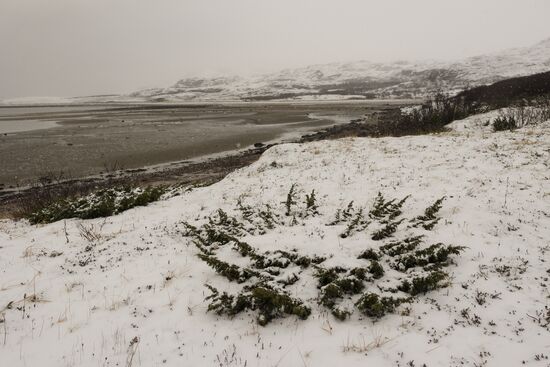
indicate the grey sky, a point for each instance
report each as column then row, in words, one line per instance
column 83, row 47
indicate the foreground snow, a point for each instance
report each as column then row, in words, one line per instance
column 136, row 297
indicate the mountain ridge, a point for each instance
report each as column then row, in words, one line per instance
column 355, row 80
column 362, row 79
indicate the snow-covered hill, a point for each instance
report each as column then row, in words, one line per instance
column 362, row 79
column 130, row 290
column 341, row 81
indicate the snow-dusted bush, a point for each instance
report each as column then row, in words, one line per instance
column 102, row 203
column 435, row 113
column 394, row 269
column 523, row 114
column 502, row 123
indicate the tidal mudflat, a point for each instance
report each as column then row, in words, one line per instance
column 87, row 140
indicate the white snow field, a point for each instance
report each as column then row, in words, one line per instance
column 130, row 289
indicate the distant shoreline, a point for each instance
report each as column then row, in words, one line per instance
column 133, row 137
column 165, row 104
column 203, row 169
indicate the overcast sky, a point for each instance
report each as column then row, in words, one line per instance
column 84, row 47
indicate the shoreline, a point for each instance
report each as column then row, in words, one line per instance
column 87, row 143
column 202, row 170
column 389, row 101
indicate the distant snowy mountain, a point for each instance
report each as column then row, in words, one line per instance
column 351, row 80
column 361, row 79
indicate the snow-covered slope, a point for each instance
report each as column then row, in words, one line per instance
column 359, row 79
column 130, row 289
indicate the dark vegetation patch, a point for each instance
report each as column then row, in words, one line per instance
column 56, row 186
column 441, row 109
column 230, row 271
column 502, row 123
column 430, row 117
column 356, row 224
column 515, row 93
column 508, row 92
column 430, row 218
column 406, row 245
column 369, row 254
column 269, row 278
column 102, row 203
column 436, row 255
column 375, row 306
column 389, row 229
column 423, row 284
column 523, row 114
column 389, row 209
column 269, row 303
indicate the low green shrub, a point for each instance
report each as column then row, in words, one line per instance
column 311, row 204
column 290, row 200
column 387, row 231
column 502, row 123
column 376, row 270
column 268, row 278
column 430, row 218
column 231, row 271
column 424, row 284
column 369, row 254
column 375, row 306
column 436, row 255
column 358, row 223
column 102, row 203
column 269, row 303
column 389, row 209
column 397, row 248
column 326, row 276
column 437, row 112
column 343, row 215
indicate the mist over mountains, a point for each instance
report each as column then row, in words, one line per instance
column 361, row 79
column 356, row 80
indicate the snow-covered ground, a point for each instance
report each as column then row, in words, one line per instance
column 130, row 289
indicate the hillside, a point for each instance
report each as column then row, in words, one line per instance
column 357, row 80
column 131, row 289
column 509, row 91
